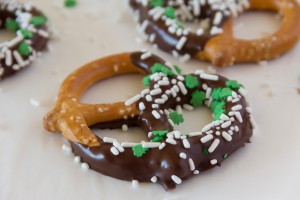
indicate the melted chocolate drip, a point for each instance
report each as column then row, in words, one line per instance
column 166, row 162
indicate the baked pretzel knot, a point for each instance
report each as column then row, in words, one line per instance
column 169, row 156
column 160, row 23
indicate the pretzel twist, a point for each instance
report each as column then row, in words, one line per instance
column 217, row 44
column 170, row 156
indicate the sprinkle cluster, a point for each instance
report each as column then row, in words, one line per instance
column 19, row 52
column 172, row 12
column 225, row 104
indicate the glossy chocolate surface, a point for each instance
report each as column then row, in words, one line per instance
column 166, row 162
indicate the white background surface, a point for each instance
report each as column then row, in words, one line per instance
column 33, row 166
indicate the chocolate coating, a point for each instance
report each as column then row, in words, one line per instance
column 167, row 40
column 37, row 43
column 165, row 163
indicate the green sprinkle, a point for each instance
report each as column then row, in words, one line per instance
column 225, row 92
column 191, row 81
column 146, row 80
column 157, row 67
column 205, row 151
column 26, row 33
column 225, row 156
column 11, row 25
column 198, row 98
column 157, row 3
column 170, row 13
column 178, row 70
column 217, row 109
column 157, row 139
column 233, row 84
column 38, row 20
column 70, row 3
column 139, row 150
column 160, row 133
column 24, row 49
column 216, row 93
column 176, row 117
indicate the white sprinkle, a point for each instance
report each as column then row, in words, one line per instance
column 176, row 179
column 193, row 134
column 196, row 172
column 154, row 179
column 171, row 141
column 156, row 114
column 177, row 134
column 144, row 92
column 155, row 91
column 179, row 109
column 176, row 88
column 114, row 151
column 210, row 77
column 141, row 106
column 226, row 136
column 15, row 41
column 249, row 109
column 208, row 92
column 108, row 140
column 43, row 33
column 163, row 82
column 151, row 144
column 235, row 100
column 243, row 92
column 216, row 30
column 206, row 138
column 213, row 162
column 8, row 58
column 182, row 88
column 236, row 128
column 135, row 183
column 186, row 57
column 192, row 165
column 230, row 132
column 226, row 124
column 224, row 117
column 159, row 101
column 124, row 127
column 239, row 117
column 118, row 146
column 144, row 26
column 171, row 122
column 128, row 144
column 133, row 100
column 199, row 31
column 218, row 133
column 66, row 148
column 161, row 146
column 218, row 18
column 214, row 145
column 182, row 155
column 188, row 107
column 206, row 128
column 77, row 159
column 85, row 166
column 237, row 107
column 253, row 123
column 178, row 99
column 186, row 143
column 146, row 55
column 148, row 98
column 181, row 43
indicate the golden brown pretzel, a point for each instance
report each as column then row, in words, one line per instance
column 72, row 118
column 221, row 48
column 169, row 156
